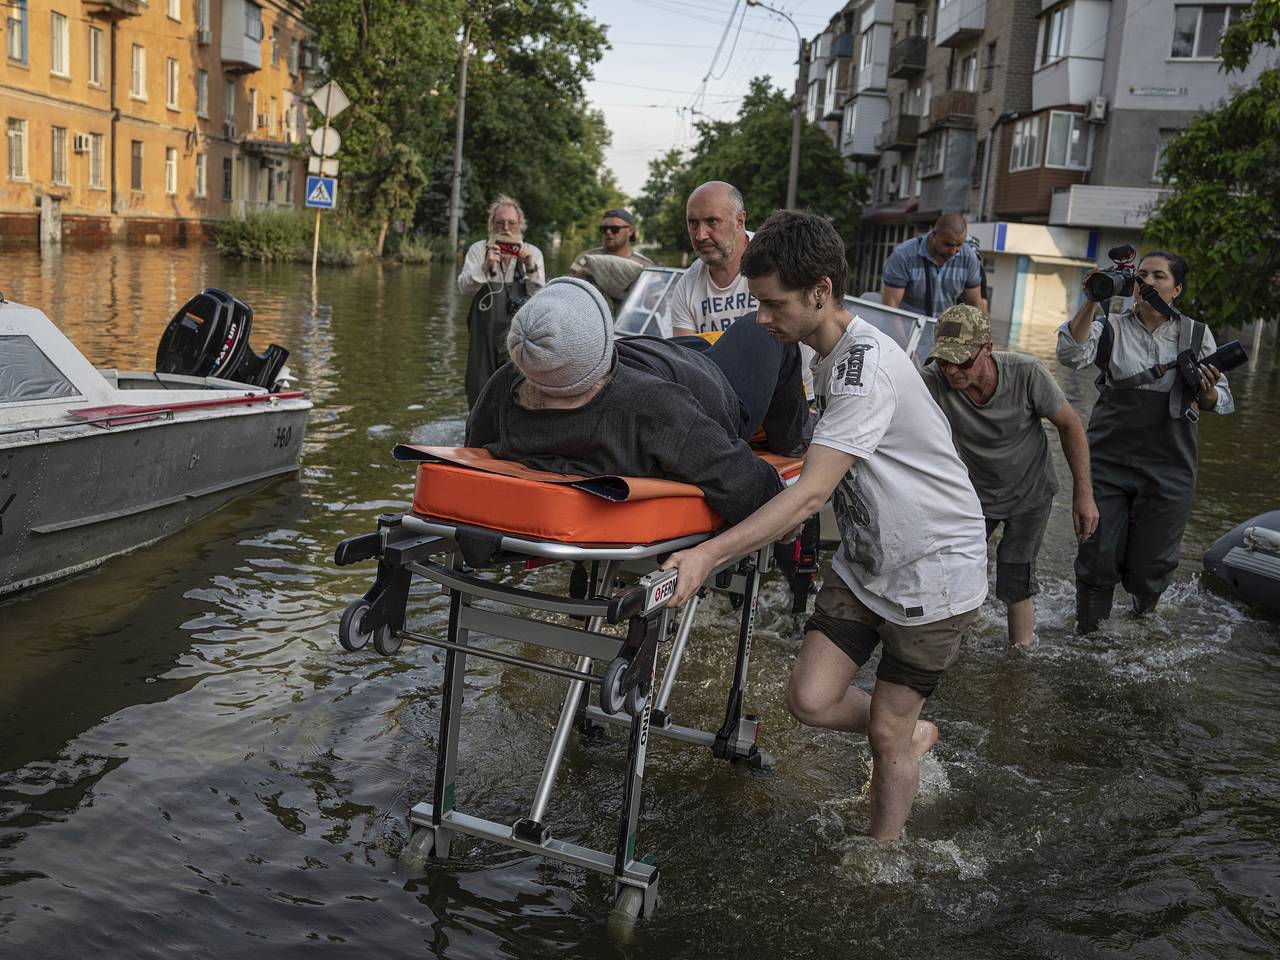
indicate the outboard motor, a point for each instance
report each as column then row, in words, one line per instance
column 209, row 337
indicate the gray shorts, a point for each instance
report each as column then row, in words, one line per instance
column 1016, row 553
column 913, row 656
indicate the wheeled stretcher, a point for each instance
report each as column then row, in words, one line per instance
column 475, row 517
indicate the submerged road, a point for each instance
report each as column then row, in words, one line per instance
column 190, row 766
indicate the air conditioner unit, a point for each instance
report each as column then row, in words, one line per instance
column 229, row 129
column 81, row 143
column 204, row 37
column 1097, row 112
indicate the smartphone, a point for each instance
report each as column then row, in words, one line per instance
column 507, row 249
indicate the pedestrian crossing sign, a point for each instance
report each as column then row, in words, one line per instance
column 322, row 192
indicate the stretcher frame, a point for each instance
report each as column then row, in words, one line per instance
column 404, row 545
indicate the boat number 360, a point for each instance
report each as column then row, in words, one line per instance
column 284, row 436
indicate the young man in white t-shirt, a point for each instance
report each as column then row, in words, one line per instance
column 912, row 568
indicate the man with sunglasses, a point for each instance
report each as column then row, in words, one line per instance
column 617, row 234
column 994, row 401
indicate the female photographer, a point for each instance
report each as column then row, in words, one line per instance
column 1142, row 435
column 500, row 273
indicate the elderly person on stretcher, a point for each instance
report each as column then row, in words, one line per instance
column 574, row 401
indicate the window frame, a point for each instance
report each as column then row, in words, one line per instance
column 138, row 72
column 1087, row 131
column 170, row 171
column 228, row 101
column 173, row 10
column 1059, row 16
column 172, row 82
column 202, row 175
column 1018, row 149
column 202, row 93
column 866, row 60
column 97, row 57
column 59, row 44
column 16, row 129
column 926, row 163
column 969, row 72
column 97, row 167
column 1162, row 145
column 228, row 180
column 137, row 159
column 17, row 25
column 1232, row 13
column 58, row 156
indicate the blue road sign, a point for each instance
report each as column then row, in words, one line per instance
column 322, row 192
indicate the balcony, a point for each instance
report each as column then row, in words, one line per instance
column 242, row 34
column 899, row 133
column 842, row 47
column 113, row 9
column 1084, row 205
column 863, row 121
column 954, row 108
column 906, row 59
column 959, row 22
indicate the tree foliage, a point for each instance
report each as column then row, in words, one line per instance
column 1223, row 215
column 753, row 152
column 528, row 132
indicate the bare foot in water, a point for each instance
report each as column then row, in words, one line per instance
column 925, row 737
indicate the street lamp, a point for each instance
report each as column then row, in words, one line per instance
column 455, row 187
column 793, row 174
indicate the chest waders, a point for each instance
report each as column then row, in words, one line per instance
column 487, row 324
column 1142, row 449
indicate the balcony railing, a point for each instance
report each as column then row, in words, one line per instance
column 113, row 9
column 953, row 107
column 899, row 132
column 842, row 47
column 959, row 22
column 906, row 59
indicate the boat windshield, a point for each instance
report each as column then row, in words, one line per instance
column 645, row 312
column 26, row 374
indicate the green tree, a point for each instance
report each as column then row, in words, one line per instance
column 753, row 152
column 1223, row 215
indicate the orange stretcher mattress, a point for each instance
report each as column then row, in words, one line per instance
column 468, row 485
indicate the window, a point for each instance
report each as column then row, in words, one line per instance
column 275, row 46
column 171, row 83
column 989, row 67
column 1053, row 35
column 202, row 170
column 271, row 117
column 174, row 9
column 867, row 47
column 170, row 170
column 227, row 178
column 969, row 72
column 933, row 153
column 921, row 24
column 1162, row 146
column 253, row 22
column 96, row 180
column 849, row 112
column 293, row 56
column 59, row 45
column 58, row 155
column 138, row 73
column 928, row 98
column 202, row 93
column 1197, row 30
column 17, row 136
column 16, row 30
column 229, row 101
column 1068, row 141
column 253, row 109
column 1025, row 152
column 904, row 180
column 95, row 56
column 202, row 14
column 135, row 164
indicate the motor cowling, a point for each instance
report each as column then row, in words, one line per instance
column 209, row 337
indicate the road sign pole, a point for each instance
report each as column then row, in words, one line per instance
column 315, row 243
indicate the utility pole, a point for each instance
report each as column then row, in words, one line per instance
column 797, row 120
column 455, row 186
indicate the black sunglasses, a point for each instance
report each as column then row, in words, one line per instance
column 959, row 366
column 611, row 227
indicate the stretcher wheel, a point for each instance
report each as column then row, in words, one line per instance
column 636, row 701
column 418, row 850
column 626, row 911
column 385, row 640
column 611, row 698
column 349, row 635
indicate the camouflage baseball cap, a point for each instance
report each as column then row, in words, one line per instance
column 961, row 332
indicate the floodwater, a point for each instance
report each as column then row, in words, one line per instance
column 191, row 767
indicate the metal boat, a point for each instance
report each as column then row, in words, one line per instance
column 94, row 463
column 1247, row 561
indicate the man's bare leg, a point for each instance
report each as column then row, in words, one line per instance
column 1022, row 622
column 895, row 772
column 821, row 693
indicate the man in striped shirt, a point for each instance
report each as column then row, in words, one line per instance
column 930, row 273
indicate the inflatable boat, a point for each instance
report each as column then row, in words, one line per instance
column 1247, row 561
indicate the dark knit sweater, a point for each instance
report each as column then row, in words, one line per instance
column 666, row 411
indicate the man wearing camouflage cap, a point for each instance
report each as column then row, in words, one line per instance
column 994, row 401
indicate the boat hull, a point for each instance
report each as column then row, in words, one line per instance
column 69, row 500
column 1250, row 575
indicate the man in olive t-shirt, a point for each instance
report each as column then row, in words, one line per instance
column 994, row 402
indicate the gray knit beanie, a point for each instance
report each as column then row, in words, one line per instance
column 562, row 339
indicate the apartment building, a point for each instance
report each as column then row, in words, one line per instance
column 148, row 121
column 1044, row 121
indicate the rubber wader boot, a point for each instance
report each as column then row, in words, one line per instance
column 1144, row 603
column 1093, row 604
